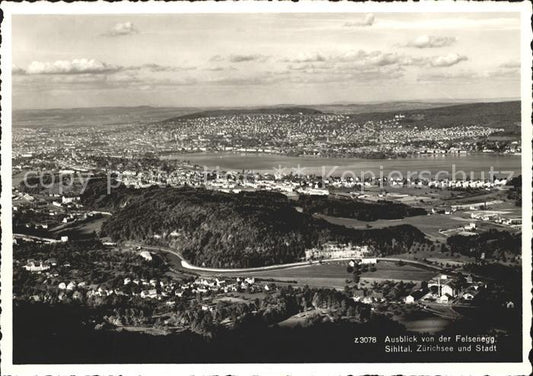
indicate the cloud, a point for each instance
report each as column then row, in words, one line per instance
column 306, row 58
column 447, row 76
column 121, row 29
column 511, row 65
column 245, row 58
column 378, row 58
column 363, row 66
column 470, row 75
column 161, row 68
column 220, row 69
column 431, row 41
column 76, row 66
column 237, row 58
column 447, row 61
column 17, row 70
column 508, row 70
column 367, row 20
column 358, row 59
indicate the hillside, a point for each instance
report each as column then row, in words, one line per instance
column 432, row 114
column 247, row 111
column 93, row 116
column 496, row 115
column 231, row 230
column 362, row 108
column 361, row 210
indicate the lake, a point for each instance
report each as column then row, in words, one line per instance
column 424, row 322
column 475, row 163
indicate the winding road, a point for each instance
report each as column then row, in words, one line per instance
column 193, row 268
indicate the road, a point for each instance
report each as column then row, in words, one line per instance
column 193, row 268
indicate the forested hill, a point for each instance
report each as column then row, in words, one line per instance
column 248, row 111
column 232, row 230
column 496, row 115
column 361, row 210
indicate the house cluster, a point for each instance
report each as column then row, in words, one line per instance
column 35, row 266
column 473, row 183
column 468, row 229
column 483, row 205
column 497, row 217
column 444, row 288
column 38, row 239
column 205, row 285
column 313, row 191
column 154, row 289
column 332, row 250
column 144, row 288
column 368, row 297
column 48, row 211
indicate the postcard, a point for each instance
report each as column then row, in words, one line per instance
column 307, row 188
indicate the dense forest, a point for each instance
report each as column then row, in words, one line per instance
column 231, row 230
column 515, row 193
column 364, row 211
column 491, row 245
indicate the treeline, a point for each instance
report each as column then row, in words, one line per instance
column 96, row 194
column 493, row 244
column 364, row 211
column 232, row 230
column 515, row 193
column 258, row 313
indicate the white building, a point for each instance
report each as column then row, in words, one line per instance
column 332, row 250
column 34, row 266
column 146, row 255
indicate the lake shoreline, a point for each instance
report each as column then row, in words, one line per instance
column 472, row 163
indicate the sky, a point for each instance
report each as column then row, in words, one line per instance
column 203, row 60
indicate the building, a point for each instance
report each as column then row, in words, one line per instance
column 332, row 250
column 468, row 296
column 415, row 296
column 36, row 266
column 470, row 226
column 152, row 293
column 69, row 200
column 444, row 284
column 146, row 255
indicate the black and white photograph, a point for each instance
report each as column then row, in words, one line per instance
column 316, row 187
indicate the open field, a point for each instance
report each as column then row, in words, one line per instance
column 81, row 230
column 428, row 224
column 393, row 271
column 334, row 274
column 327, row 275
column 436, row 256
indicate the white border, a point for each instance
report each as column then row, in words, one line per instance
column 10, row 9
